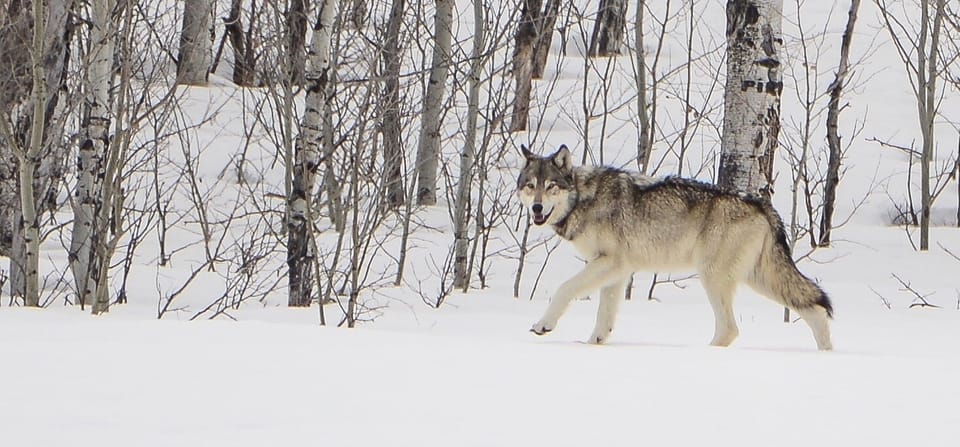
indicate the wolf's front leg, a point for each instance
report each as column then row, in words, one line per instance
column 610, row 298
column 598, row 272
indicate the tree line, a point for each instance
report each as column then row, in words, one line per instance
column 370, row 105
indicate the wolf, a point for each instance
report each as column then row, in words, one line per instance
column 622, row 222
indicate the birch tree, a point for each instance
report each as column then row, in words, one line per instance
column 461, row 273
column 300, row 245
column 31, row 127
column 196, row 42
column 919, row 50
column 751, row 112
column 86, row 251
column 645, row 137
column 428, row 152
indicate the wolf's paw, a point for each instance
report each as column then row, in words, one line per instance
column 541, row 328
column 599, row 337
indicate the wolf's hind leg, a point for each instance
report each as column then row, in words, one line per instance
column 816, row 318
column 720, row 293
column 596, row 273
column 610, row 298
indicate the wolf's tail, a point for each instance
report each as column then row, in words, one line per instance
column 776, row 274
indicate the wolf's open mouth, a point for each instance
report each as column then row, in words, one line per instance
column 541, row 219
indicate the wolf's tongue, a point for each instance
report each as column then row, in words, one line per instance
column 539, row 219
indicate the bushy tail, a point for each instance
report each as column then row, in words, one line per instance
column 777, row 275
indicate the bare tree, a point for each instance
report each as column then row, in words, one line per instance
column 428, row 151
column 608, row 29
column 89, row 227
column 34, row 102
column 296, row 27
column 300, row 243
column 526, row 39
column 545, row 28
column 833, row 135
column 751, row 114
column 645, row 138
column 390, row 107
column 244, row 60
column 923, row 44
column 196, row 42
column 461, row 276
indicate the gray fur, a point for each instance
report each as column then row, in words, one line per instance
column 622, row 222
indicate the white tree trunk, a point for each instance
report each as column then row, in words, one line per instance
column 751, row 112
column 928, row 66
column 428, row 152
column 88, row 231
column 28, row 162
column 196, row 42
column 300, row 253
column 461, row 272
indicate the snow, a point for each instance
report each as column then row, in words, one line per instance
column 469, row 373
column 76, row 380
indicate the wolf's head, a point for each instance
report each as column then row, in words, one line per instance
column 546, row 185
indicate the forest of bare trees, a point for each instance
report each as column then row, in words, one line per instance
column 204, row 154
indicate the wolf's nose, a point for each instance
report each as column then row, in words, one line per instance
column 537, row 208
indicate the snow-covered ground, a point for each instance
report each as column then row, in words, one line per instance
column 469, row 373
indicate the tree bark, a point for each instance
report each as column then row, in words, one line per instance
column 428, row 152
column 300, row 244
column 526, row 38
column 296, row 40
column 461, row 271
column 751, row 112
column 545, row 25
column 608, row 30
column 196, row 43
column 927, row 95
column 391, row 126
column 645, row 140
column 243, row 70
column 833, row 135
column 34, row 57
column 89, row 232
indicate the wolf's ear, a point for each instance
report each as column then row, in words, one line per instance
column 526, row 153
column 562, row 158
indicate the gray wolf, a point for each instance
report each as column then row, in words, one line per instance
column 622, row 222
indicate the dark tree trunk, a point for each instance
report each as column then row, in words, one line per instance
column 833, row 135
column 243, row 71
column 391, row 125
column 545, row 26
column 296, row 39
column 608, row 30
column 523, row 64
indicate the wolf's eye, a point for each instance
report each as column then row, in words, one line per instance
column 553, row 187
column 529, row 186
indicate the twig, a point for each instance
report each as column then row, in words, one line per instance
column 922, row 298
column 908, row 150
